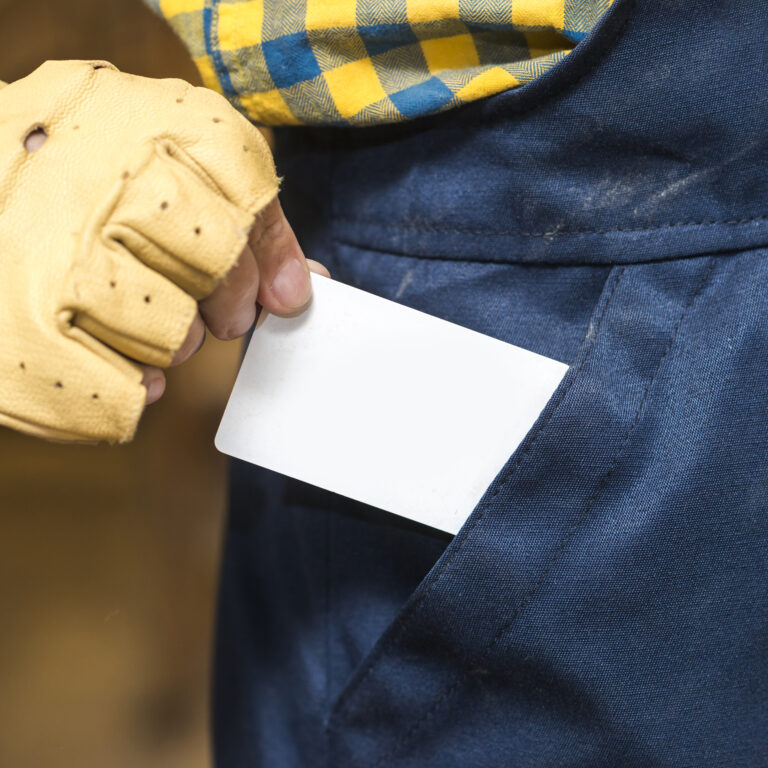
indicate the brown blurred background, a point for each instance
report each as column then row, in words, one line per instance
column 109, row 556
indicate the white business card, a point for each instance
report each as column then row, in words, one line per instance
column 384, row 404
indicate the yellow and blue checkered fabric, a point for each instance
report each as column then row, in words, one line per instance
column 363, row 62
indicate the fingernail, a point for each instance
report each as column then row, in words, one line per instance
column 291, row 285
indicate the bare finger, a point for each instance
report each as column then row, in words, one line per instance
column 318, row 268
column 230, row 310
column 192, row 343
column 284, row 286
column 154, row 382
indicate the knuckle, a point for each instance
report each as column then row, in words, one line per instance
column 269, row 229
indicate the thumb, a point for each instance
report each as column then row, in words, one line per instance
column 284, row 283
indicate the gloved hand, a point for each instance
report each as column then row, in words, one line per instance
column 139, row 201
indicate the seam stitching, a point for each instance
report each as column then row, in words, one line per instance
column 565, row 541
column 426, row 229
column 403, row 620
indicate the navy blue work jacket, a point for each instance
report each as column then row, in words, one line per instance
column 606, row 603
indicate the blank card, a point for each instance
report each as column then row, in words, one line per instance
column 384, row 404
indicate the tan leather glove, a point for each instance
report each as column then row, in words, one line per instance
column 138, row 203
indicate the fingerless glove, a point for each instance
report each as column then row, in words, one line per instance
column 135, row 207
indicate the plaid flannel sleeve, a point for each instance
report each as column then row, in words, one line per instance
column 363, row 62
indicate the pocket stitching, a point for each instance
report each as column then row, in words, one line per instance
column 467, row 530
column 579, row 521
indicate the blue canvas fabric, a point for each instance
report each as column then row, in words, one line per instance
column 605, row 603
